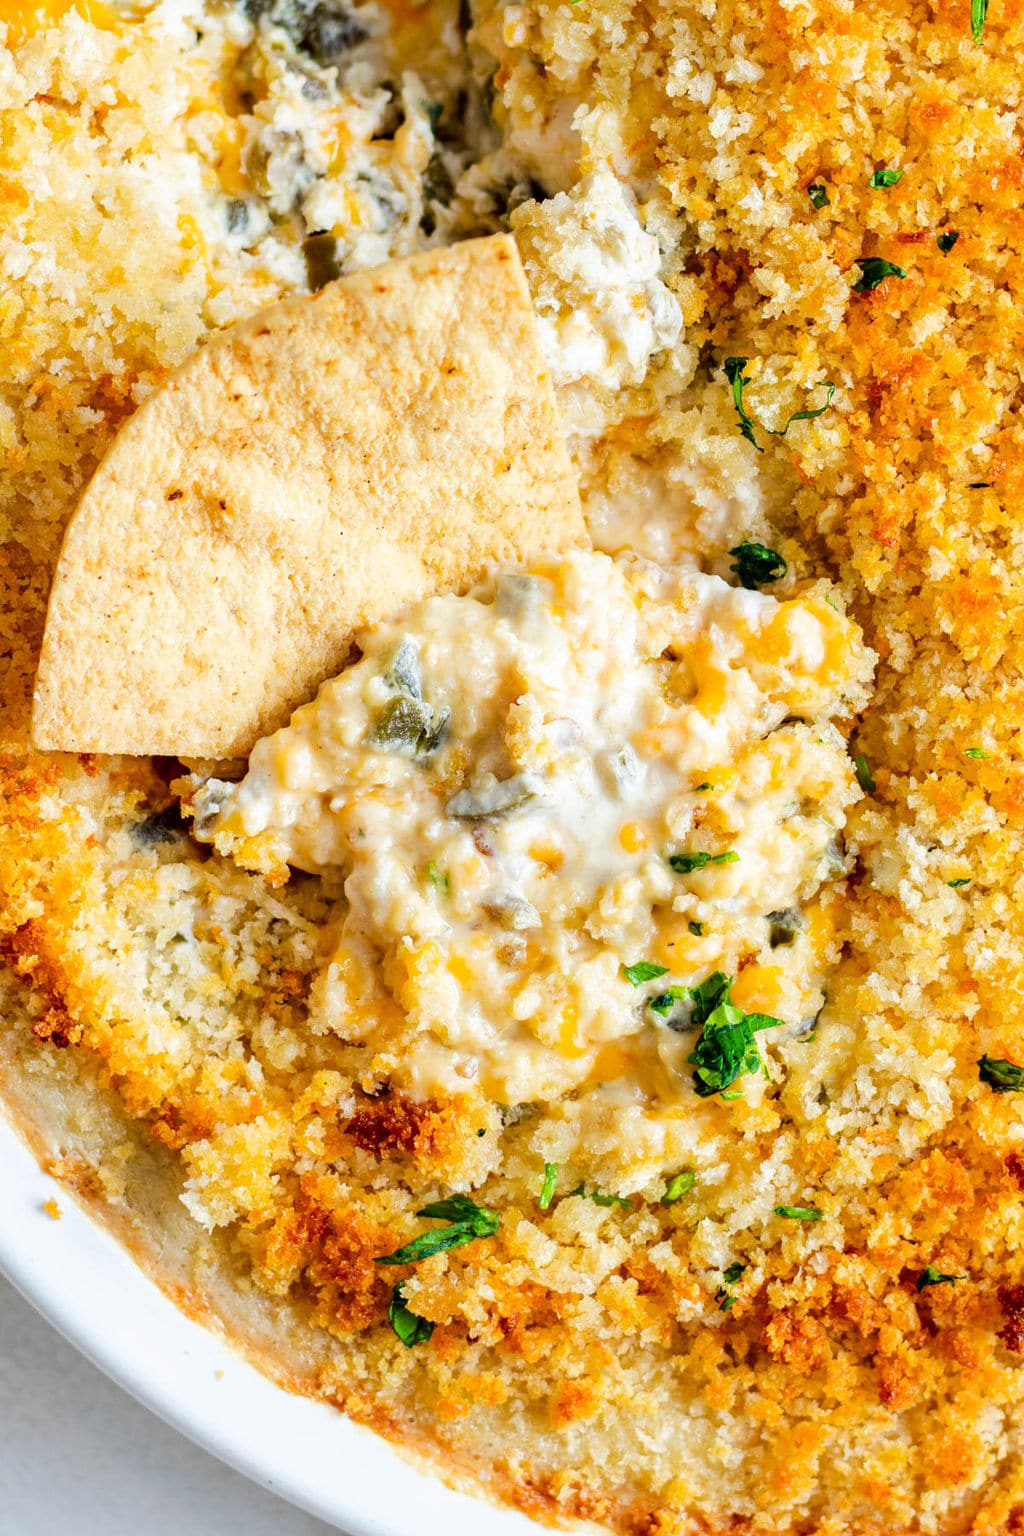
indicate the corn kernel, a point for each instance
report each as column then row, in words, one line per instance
column 758, row 989
column 633, row 837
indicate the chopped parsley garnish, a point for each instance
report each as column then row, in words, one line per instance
column 946, row 240
column 697, row 929
column 1001, row 1076
column 438, row 879
column 547, row 1189
column 707, row 994
column 830, row 390
column 410, row 1328
column 799, row 1212
column 818, row 195
column 664, row 1003
column 733, row 368
column 701, row 789
column 687, row 863
column 979, row 10
column 956, row 884
column 643, row 971
column 726, row 1049
column 978, row 753
column 466, row 1222
column 874, row 270
column 884, row 178
column 678, row 1185
column 599, row 1199
column 756, row 565
column 865, row 778
column 482, row 1131
column 725, row 1298
column 932, row 1276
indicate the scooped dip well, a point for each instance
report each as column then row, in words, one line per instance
column 587, row 820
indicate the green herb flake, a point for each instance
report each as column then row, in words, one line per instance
column 818, row 195
column 697, row 929
column 407, row 1326
column 466, row 1222
column 678, row 1185
column 756, row 565
column 873, row 271
column 884, row 178
column 1001, row 1076
column 799, row 1212
column 689, row 863
column 979, row 10
column 600, row 1199
column 731, row 1094
column 702, row 789
column 956, row 884
column 978, row 754
column 643, row 971
column 830, row 390
column 932, row 1276
column 664, row 1003
column 734, row 370
column 707, row 995
column 726, row 1298
column 733, row 367
column 438, row 879
column 865, row 778
column 547, row 1189
column 726, row 1049
column 482, row 1131
column 946, row 240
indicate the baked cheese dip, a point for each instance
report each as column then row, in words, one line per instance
column 584, row 1043
column 567, row 810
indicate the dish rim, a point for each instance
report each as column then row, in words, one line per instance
column 87, row 1286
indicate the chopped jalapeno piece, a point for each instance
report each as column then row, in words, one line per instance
column 322, row 255
column 403, row 671
column 513, row 912
column 783, row 927
column 497, row 800
column 516, row 597
column 410, row 727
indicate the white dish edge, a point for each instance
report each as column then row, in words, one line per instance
column 87, row 1286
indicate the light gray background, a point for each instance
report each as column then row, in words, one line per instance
column 78, row 1457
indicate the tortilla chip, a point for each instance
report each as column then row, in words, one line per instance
column 316, row 466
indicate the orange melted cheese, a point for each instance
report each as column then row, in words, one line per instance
column 25, row 20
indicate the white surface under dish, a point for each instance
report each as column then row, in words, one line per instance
column 86, row 1285
column 79, row 1457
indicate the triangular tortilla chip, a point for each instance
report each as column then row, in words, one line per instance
column 316, row 466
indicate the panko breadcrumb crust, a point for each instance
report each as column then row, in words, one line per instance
column 582, row 1364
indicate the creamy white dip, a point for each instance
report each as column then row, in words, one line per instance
column 532, row 790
